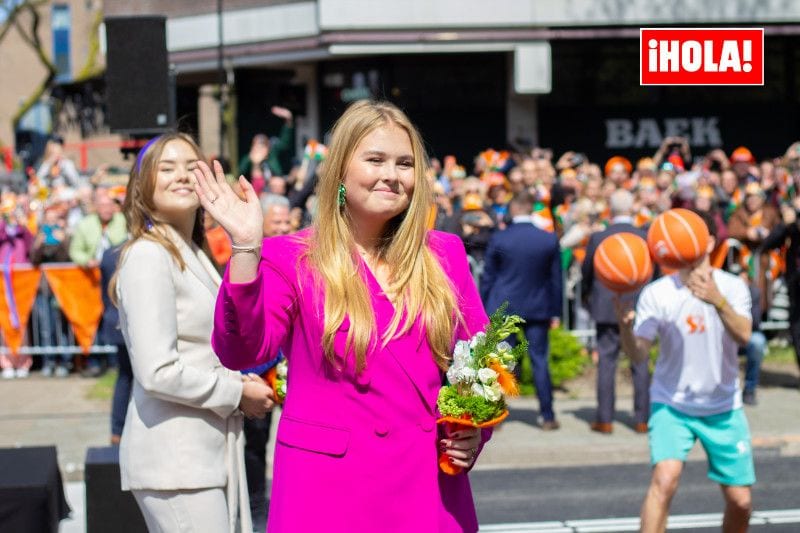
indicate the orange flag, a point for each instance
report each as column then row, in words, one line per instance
column 24, row 286
column 78, row 293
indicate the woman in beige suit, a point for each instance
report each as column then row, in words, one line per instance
column 181, row 451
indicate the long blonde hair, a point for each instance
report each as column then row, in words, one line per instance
column 139, row 206
column 416, row 279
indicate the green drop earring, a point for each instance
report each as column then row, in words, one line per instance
column 342, row 193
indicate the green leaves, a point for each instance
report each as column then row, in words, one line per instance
column 479, row 409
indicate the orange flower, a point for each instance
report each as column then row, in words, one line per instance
column 505, row 378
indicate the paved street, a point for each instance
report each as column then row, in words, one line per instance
column 531, row 479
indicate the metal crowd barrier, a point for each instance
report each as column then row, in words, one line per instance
column 62, row 339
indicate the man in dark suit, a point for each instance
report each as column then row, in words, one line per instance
column 523, row 266
column 602, row 310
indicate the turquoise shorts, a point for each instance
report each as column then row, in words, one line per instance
column 724, row 436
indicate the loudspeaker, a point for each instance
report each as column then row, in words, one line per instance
column 108, row 508
column 138, row 86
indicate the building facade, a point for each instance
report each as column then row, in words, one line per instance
column 472, row 74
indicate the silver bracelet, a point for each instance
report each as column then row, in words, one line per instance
column 237, row 249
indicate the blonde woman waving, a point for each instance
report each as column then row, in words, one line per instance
column 365, row 305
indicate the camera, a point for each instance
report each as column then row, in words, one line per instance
column 473, row 219
column 577, row 160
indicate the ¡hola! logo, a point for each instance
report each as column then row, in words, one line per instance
column 701, row 56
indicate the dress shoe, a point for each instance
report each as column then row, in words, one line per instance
column 603, row 427
column 549, row 425
column 749, row 397
column 640, row 427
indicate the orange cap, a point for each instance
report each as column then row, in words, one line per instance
column 472, row 201
column 616, row 160
column 742, row 155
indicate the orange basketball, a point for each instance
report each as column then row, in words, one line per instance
column 622, row 262
column 677, row 238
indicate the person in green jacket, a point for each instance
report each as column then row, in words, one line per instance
column 98, row 231
column 263, row 160
column 94, row 234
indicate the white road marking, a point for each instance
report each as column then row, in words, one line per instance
column 608, row 525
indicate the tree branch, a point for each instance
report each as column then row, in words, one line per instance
column 35, row 43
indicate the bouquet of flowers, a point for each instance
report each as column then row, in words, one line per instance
column 276, row 378
column 480, row 377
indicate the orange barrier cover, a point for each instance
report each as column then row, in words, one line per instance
column 24, row 286
column 78, row 293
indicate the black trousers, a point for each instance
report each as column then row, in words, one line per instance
column 256, row 434
column 793, row 286
column 608, row 347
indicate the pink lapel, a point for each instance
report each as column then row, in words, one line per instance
column 408, row 349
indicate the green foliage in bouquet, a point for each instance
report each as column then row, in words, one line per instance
column 478, row 408
column 482, row 371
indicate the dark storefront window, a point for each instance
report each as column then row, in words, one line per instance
column 457, row 101
column 597, row 82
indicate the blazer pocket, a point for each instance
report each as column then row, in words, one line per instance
column 313, row 436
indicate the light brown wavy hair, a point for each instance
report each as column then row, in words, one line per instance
column 139, row 207
column 417, row 282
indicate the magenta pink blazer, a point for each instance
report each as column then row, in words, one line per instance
column 354, row 452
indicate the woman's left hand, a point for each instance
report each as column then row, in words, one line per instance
column 461, row 445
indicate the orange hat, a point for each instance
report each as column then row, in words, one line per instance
column 568, row 173
column 742, row 155
column 645, row 164
column 117, row 192
column 496, row 178
column 705, row 191
column 472, row 202
column 616, row 160
column 9, row 203
column 677, row 162
column 647, row 183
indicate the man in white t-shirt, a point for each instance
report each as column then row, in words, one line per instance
column 700, row 315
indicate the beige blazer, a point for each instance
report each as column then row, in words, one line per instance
column 183, row 429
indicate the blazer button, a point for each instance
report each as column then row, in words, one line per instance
column 381, row 429
column 427, row 425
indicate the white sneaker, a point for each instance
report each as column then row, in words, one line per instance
column 47, row 370
column 62, row 371
column 23, row 373
column 8, row 373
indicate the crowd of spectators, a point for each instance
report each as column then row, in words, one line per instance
column 63, row 216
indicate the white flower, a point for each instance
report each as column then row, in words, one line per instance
column 487, row 375
column 282, row 369
column 453, row 373
column 503, row 346
column 476, row 339
column 477, row 390
column 462, row 354
column 493, row 392
column 468, row 374
column 510, row 365
column 460, row 374
column 282, row 389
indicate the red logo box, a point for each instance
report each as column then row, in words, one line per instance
column 701, row 56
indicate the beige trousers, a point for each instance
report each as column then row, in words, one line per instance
column 184, row 511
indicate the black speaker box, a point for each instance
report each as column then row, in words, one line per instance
column 108, row 508
column 138, row 88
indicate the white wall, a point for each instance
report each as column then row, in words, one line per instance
column 392, row 14
column 243, row 26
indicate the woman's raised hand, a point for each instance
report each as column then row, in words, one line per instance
column 242, row 219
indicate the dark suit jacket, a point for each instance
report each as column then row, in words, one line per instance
column 600, row 299
column 109, row 332
column 523, row 266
